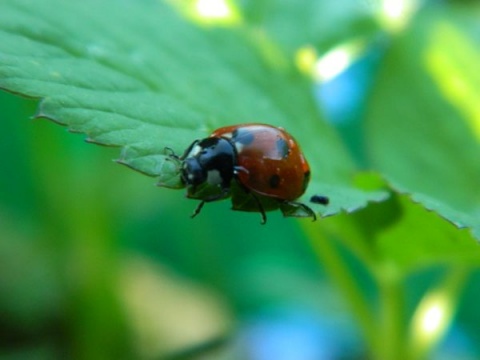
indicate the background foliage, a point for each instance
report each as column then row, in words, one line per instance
column 95, row 262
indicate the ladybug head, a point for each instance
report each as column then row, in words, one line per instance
column 208, row 168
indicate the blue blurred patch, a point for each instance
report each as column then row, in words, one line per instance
column 343, row 98
column 294, row 333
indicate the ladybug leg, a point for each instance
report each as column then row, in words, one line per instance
column 305, row 208
column 309, row 211
column 261, row 210
column 198, row 209
column 239, row 169
column 220, row 196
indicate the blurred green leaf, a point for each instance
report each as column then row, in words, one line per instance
column 322, row 24
column 401, row 236
column 419, row 239
column 115, row 72
column 422, row 121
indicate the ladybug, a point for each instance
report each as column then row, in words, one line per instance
column 259, row 166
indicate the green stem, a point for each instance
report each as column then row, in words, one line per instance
column 339, row 271
column 390, row 329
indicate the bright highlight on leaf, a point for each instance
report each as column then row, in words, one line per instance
column 431, row 319
column 435, row 312
column 336, row 61
column 305, row 59
column 332, row 64
column 213, row 9
column 394, row 9
column 453, row 62
column 210, row 11
column 395, row 14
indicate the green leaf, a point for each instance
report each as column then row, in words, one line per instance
column 422, row 122
column 402, row 236
column 423, row 239
column 136, row 74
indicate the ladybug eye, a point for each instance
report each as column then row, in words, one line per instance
column 192, row 172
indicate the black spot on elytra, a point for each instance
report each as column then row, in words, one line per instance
column 274, row 181
column 282, row 147
column 243, row 136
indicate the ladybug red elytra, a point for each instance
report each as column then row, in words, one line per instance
column 261, row 167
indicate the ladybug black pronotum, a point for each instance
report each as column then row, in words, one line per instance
column 261, row 167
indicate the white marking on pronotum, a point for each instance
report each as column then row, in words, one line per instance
column 195, row 151
column 213, row 177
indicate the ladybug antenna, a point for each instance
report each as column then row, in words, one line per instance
column 168, row 151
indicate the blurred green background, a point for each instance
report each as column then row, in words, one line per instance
column 98, row 263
